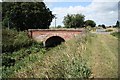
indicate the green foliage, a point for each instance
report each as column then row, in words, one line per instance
column 90, row 23
column 25, row 15
column 73, row 20
column 13, row 40
column 7, row 61
column 59, row 26
column 78, row 69
column 74, row 69
column 116, row 34
column 17, row 60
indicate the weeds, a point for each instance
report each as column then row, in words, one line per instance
column 17, row 60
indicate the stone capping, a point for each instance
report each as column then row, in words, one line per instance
column 44, row 30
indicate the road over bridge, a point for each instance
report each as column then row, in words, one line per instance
column 52, row 37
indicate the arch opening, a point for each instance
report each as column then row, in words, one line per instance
column 54, row 41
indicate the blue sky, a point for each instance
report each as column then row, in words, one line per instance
column 67, row 4
column 102, row 12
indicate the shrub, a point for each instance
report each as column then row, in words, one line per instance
column 16, row 60
column 7, row 61
column 59, row 26
column 109, row 30
column 13, row 40
column 103, row 26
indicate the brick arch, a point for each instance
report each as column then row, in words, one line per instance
column 47, row 37
column 51, row 40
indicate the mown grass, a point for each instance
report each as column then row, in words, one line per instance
column 102, row 55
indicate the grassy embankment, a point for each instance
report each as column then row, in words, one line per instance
column 88, row 55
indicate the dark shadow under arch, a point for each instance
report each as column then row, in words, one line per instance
column 53, row 41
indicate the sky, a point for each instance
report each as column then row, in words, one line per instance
column 102, row 12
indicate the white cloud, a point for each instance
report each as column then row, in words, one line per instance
column 106, row 13
column 80, row 0
column 101, row 12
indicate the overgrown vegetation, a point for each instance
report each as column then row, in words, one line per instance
column 87, row 55
column 17, row 46
column 13, row 40
column 34, row 60
column 15, row 61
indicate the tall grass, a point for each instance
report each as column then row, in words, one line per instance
column 67, row 59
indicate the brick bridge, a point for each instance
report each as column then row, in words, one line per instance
column 52, row 37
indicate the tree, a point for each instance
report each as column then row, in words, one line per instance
column 27, row 15
column 99, row 25
column 59, row 26
column 103, row 26
column 117, row 24
column 90, row 23
column 73, row 20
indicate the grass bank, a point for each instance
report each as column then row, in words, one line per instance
column 85, row 56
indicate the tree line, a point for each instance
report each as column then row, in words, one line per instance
column 77, row 21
